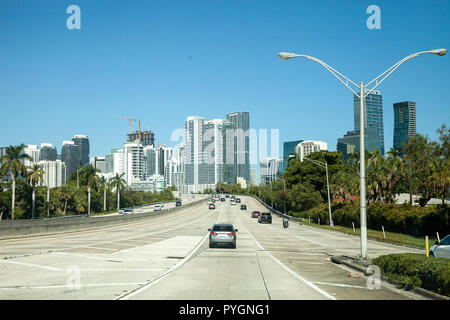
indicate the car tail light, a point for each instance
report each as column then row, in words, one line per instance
column 233, row 234
column 212, row 233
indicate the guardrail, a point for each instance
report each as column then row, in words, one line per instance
column 10, row 229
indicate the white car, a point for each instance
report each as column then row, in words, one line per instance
column 233, row 203
column 441, row 249
column 158, row 207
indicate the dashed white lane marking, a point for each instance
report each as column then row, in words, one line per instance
column 340, row 285
column 32, row 265
column 165, row 274
column 103, row 258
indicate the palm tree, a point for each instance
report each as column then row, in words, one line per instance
column 104, row 183
column 92, row 179
column 35, row 174
column 12, row 163
column 119, row 183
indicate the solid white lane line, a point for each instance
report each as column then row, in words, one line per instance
column 71, row 286
column 31, row 265
column 308, row 283
column 165, row 274
column 340, row 285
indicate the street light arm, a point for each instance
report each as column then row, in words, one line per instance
column 388, row 72
column 321, row 164
column 335, row 73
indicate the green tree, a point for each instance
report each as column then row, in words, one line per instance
column 35, row 174
column 119, row 183
column 12, row 163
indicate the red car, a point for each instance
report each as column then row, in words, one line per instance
column 255, row 214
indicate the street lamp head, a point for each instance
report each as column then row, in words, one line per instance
column 287, row 55
column 439, row 52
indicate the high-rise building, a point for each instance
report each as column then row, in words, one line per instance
column 373, row 117
column 229, row 156
column 193, row 151
column 32, row 151
column 48, row 152
column 147, row 137
column 118, row 160
column 213, row 151
column 270, row 170
column 304, row 148
column 70, row 155
column 404, row 123
column 289, row 152
column 99, row 163
column 133, row 162
column 241, row 121
column 350, row 142
column 253, row 177
column 83, row 142
column 54, row 173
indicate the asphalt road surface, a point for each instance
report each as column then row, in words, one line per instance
column 167, row 257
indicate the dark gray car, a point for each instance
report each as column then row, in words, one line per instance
column 222, row 234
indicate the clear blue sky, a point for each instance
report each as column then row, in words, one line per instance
column 162, row 61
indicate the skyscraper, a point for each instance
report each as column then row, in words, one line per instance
column 193, row 150
column 304, row 148
column 54, row 173
column 70, row 155
column 147, row 137
column 83, row 142
column 33, row 151
column 241, row 121
column 288, row 150
column 404, row 123
column 270, row 170
column 47, row 152
column 373, row 117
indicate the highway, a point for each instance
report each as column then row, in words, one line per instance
column 167, row 257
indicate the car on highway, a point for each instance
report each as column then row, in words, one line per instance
column 238, row 200
column 121, row 211
column 222, row 199
column 128, row 210
column 232, row 202
column 222, row 234
column 441, row 249
column 211, row 206
column 265, row 217
column 255, row 214
column 227, row 196
column 178, row 203
column 243, row 207
column 157, row 207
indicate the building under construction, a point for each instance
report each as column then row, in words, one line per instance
column 147, row 137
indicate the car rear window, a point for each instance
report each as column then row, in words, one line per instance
column 223, row 228
column 266, row 214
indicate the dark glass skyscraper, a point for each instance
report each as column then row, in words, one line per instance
column 241, row 121
column 47, row 152
column 70, row 155
column 83, row 142
column 288, row 149
column 404, row 122
column 373, row 119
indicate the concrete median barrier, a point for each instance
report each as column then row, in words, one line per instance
column 10, row 229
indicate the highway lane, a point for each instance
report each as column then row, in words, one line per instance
column 168, row 258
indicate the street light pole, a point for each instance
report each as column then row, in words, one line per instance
column 362, row 172
column 362, row 95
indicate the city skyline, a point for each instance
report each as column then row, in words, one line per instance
column 94, row 77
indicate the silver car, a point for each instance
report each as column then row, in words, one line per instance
column 441, row 249
column 222, row 234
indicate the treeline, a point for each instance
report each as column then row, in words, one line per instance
column 421, row 168
column 22, row 198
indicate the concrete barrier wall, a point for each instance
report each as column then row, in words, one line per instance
column 10, row 229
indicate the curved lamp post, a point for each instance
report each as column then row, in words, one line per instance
column 364, row 91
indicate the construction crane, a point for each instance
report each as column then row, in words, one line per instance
column 129, row 122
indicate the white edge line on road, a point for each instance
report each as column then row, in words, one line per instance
column 339, row 285
column 165, row 274
column 71, row 286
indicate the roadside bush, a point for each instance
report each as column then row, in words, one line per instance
column 417, row 270
column 413, row 220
